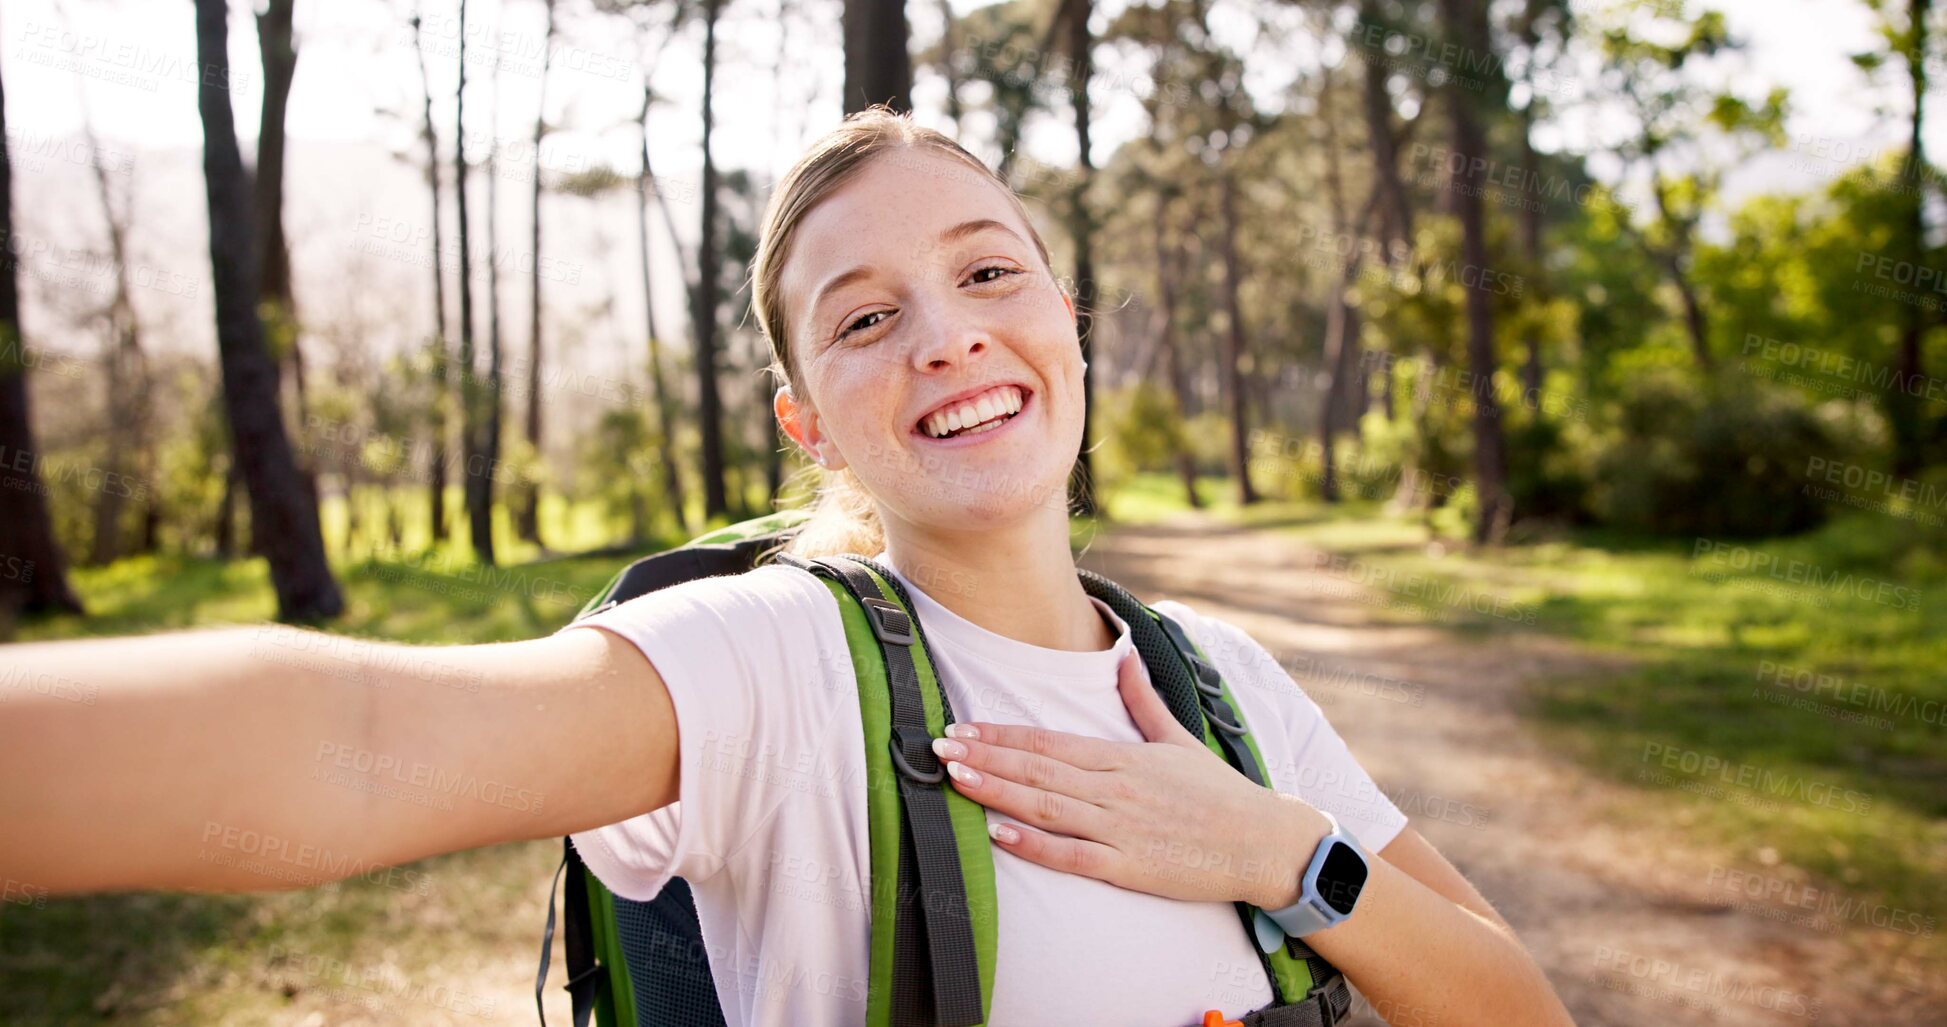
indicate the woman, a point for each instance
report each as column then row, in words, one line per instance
column 930, row 364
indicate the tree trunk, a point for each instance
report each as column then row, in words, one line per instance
column 442, row 353
column 33, row 570
column 127, row 392
column 1081, row 48
column 488, row 444
column 1167, row 265
column 1904, row 411
column 527, row 516
column 1396, row 206
column 479, row 519
column 283, row 520
column 1234, row 345
column 1531, row 374
column 279, row 57
column 1466, row 22
column 948, row 54
column 878, row 66
column 665, row 403
column 709, row 401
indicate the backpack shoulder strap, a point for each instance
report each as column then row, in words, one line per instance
column 1306, row 990
column 932, row 893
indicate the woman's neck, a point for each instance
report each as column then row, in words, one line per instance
column 1017, row 581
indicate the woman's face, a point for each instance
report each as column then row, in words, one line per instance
column 936, row 356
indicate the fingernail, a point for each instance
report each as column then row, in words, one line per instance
column 962, row 731
column 1003, row 833
column 949, row 750
column 964, row 774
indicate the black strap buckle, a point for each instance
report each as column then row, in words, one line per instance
column 1206, row 678
column 1219, row 713
column 905, row 735
column 889, row 622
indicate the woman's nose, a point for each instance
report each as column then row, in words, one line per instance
column 946, row 341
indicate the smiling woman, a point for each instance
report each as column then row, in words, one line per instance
column 929, row 362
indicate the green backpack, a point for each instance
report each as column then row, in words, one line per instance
column 643, row 964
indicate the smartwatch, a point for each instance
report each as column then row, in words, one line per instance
column 1328, row 892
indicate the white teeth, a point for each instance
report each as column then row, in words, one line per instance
column 984, row 414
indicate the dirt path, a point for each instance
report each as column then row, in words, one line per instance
column 1630, row 920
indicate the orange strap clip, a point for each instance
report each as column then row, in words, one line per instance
column 1215, row 1018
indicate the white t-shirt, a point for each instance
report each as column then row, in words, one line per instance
column 770, row 826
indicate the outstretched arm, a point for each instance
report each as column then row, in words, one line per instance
column 258, row 759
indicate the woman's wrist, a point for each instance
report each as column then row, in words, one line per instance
column 1292, row 829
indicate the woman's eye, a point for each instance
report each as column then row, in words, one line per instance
column 865, row 321
column 993, row 274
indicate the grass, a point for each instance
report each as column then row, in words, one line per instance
column 1700, row 645
column 1811, row 673
column 357, row 948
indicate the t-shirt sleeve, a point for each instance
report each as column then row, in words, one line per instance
column 752, row 663
column 1318, row 766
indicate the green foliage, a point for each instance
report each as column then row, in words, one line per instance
column 1141, row 430
column 1720, row 459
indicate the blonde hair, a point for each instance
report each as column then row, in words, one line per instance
column 845, row 518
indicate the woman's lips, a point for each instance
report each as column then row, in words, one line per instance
column 1005, row 427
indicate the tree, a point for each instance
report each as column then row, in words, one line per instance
column 1070, row 27
column 878, row 66
column 442, row 370
column 478, row 501
column 705, row 302
column 1909, row 37
column 1668, row 109
column 527, row 515
column 1169, row 271
column 283, row 517
column 665, row 403
column 486, row 422
column 33, row 571
column 127, row 390
column 1466, row 25
column 279, row 58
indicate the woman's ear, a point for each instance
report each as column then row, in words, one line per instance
column 800, row 422
column 1070, row 302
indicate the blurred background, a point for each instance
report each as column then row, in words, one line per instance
column 1557, row 389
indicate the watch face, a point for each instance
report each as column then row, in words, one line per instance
column 1341, row 878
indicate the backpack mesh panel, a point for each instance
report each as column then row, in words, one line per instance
column 668, row 965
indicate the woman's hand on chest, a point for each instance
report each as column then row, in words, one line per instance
column 1165, row 816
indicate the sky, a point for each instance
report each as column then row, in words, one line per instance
column 132, row 62
column 356, row 215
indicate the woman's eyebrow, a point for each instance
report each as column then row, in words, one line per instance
column 954, row 234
